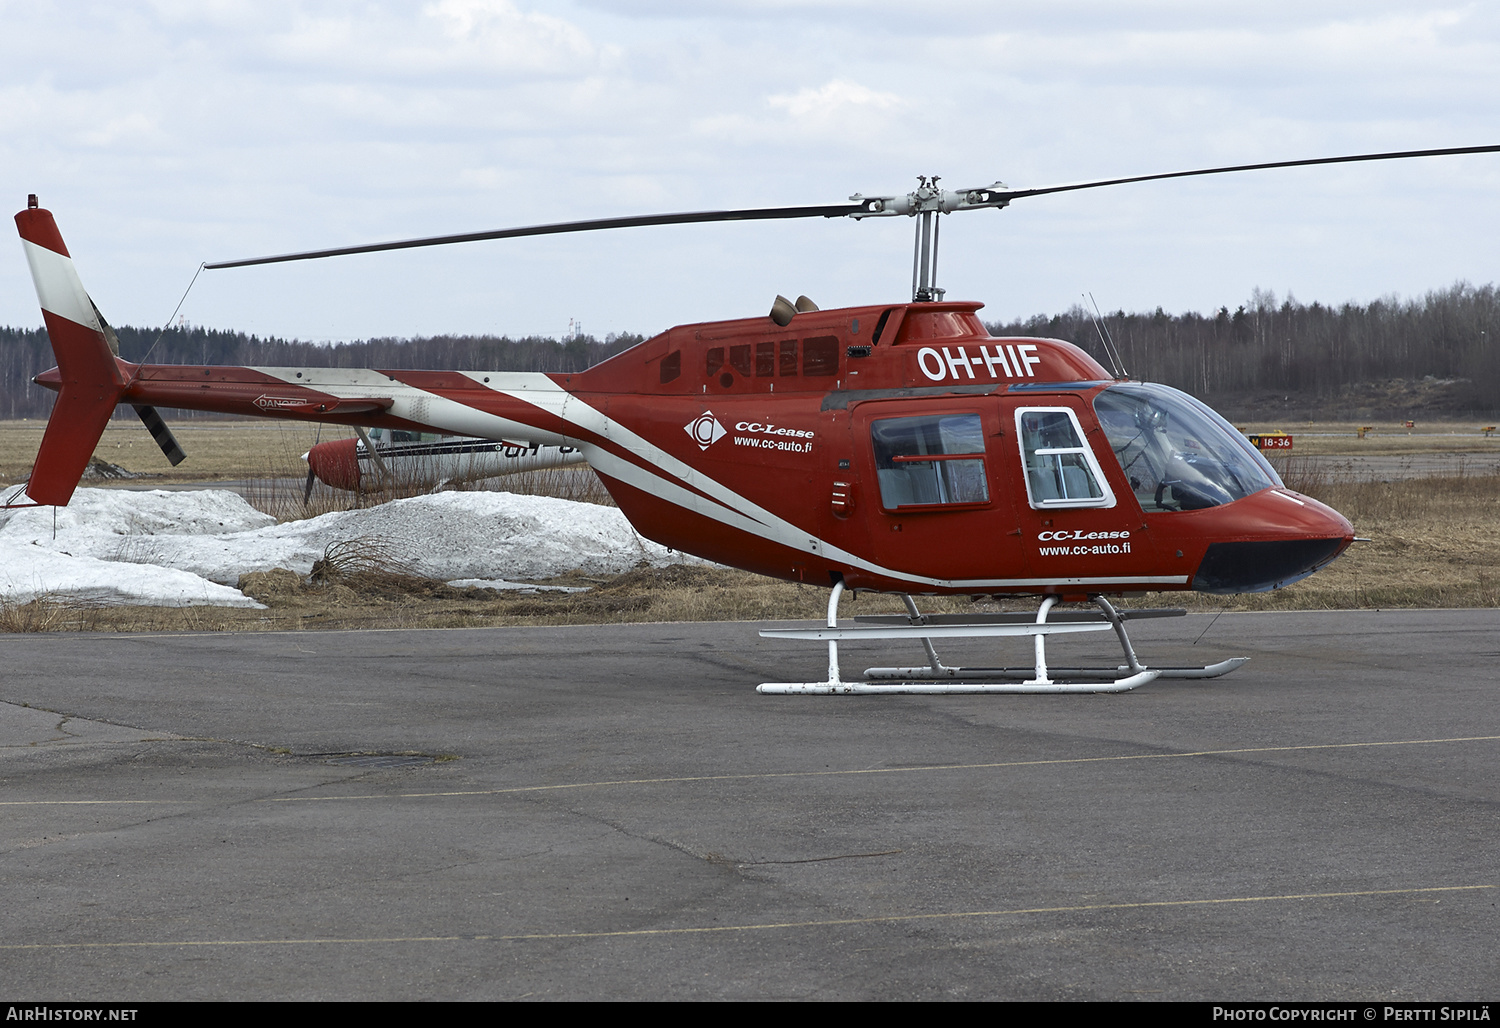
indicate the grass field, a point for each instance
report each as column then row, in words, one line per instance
column 1341, row 438
column 1435, row 542
column 217, row 450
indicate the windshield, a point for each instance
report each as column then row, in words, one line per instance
column 1175, row 452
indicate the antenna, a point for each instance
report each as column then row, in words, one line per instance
column 1106, row 340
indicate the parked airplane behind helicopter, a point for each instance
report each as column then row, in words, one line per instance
column 425, row 460
column 894, row 447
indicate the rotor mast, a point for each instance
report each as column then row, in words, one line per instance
column 925, row 203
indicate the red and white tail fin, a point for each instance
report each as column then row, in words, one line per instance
column 92, row 378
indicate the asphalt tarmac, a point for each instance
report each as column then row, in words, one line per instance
column 615, row 813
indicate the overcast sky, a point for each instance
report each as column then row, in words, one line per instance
column 166, row 134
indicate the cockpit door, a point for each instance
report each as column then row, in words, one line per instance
column 1080, row 519
column 940, row 502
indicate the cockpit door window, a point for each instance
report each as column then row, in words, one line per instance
column 1061, row 471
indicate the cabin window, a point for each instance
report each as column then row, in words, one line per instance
column 820, row 356
column 715, row 361
column 671, row 366
column 765, row 360
column 739, row 359
column 1060, row 470
column 930, row 461
column 788, row 362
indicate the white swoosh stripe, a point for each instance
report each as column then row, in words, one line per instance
column 739, row 512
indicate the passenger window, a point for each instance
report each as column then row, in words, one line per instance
column 788, row 363
column 1060, row 470
column 715, row 361
column 739, row 359
column 765, row 360
column 820, row 356
column 930, row 461
column 671, row 366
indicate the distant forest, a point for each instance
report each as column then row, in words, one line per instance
column 24, row 353
column 1433, row 355
column 1327, row 359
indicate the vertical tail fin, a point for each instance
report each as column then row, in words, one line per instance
column 92, row 379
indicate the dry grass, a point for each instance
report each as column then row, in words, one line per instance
column 1434, row 542
column 217, row 450
column 46, row 614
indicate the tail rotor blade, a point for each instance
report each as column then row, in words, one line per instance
column 161, row 433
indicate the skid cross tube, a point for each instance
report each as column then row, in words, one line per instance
column 918, row 627
column 1115, row 618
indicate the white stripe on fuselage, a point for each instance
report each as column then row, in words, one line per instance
column 737, row 511
column 420, row 405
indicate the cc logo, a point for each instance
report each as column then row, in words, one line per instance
column 705, row 430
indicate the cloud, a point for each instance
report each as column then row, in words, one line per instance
column 835, row 100
column 447, row 38
column 165, row 132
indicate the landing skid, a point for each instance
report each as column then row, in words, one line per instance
column 927, row 674
column 939, row 678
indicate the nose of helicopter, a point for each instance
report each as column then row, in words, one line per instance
column 1270, row 539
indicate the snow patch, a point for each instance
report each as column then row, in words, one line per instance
column 188, row 548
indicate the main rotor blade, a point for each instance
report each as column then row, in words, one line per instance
column 873, row 206
column 1012, row 194
column 684, row 218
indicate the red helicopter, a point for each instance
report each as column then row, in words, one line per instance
column 894, row 447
